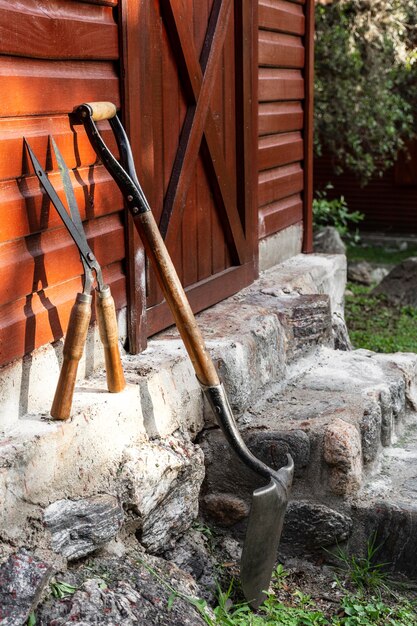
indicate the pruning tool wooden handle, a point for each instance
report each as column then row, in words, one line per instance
column 107, row 324
column 73, row 349
column 102, row 110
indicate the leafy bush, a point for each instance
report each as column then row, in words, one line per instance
column 366, row 82
column 335, row 213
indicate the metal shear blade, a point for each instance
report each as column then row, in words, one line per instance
column 73, row 224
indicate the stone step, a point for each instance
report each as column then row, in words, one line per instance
column 385, row 508
column 137, row 446
column 336, row 414
column 288, row 311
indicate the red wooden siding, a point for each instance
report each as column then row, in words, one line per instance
column 283, row 41
column 389, row 203
column 55, row 56
column 187, row 77
column 195, row 89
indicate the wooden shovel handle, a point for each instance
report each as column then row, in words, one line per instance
column 73, row 350
column 102, row 110
column 107, row 324
column 176, row 298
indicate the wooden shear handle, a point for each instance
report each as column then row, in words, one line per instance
column 102, row 110
column 107, row 324
column 73, row 350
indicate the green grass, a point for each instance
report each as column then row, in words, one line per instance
column 376, row 254
column 373, row 322
column 377, row 325
column 359, row 608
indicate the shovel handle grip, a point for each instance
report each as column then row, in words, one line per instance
column 73, row 350
column 107, row 324
column 102, row 110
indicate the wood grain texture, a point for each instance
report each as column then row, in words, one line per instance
column 280, row 84
column 129, row 18
column 280, row 50
column 41, row 260
column 73, row 350
column 283, row 16
column 58, row 29
column 109, row 335
column 279, row 215
column 39, row 87
column 71, row 141
column 276, row 150
column 177, row 300
column 55, row 54
column 280, row 117
column 25, row 209
column 195, row 72
column 203, row 294
column 110, row 3
column 285, row 81
column 309, row 129
column 280, row 182
column 42, row 317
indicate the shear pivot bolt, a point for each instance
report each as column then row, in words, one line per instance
column 90, row 256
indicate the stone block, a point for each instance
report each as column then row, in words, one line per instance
column 135, row 591
column 161, row 482
column 22, row 581
column 370, row 429
column 169, row 393
column 314, row 525
column 343, row 453
column 82, row 526
column 229, row 483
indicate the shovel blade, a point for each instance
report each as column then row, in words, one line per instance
column 263, row 533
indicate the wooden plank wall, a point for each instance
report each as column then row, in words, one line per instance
column 389, row 203
column 282, row 116
column 54, row 56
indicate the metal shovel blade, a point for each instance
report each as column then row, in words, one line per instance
column 263, row 533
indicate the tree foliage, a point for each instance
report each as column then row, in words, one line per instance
column 366, row 82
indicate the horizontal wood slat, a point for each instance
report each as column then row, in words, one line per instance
column 73, row 144
column 279, row 215
column 278, row 117
column 388, row 206
column 280, row 50
column 38, row 261
column 280, row 15
column 109, row 3
column 280, row 84
column 39, row 87
column 41, row 318
column 24, row 209
column 280, row 182
column 57, row 29
column 275, row 150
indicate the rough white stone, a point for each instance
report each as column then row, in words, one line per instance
column 161, row 484
column 78, row 527
column 342, row 452
column 309, row 274
column 328, row 240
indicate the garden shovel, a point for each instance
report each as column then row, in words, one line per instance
column 269, row 503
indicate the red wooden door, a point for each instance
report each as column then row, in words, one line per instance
column 194, row 113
